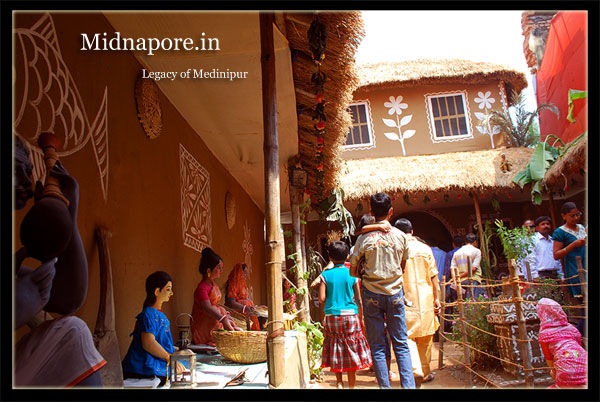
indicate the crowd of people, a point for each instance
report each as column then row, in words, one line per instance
column 380, row 296
column 394, row 275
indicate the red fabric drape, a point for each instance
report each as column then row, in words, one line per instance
column 564, row 67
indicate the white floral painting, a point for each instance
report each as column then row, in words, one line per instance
column 396, row 107
column 195, row 202
column 485, row 102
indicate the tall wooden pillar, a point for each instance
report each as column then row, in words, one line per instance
column 275, row 337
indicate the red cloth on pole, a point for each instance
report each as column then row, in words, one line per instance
column 564, row 67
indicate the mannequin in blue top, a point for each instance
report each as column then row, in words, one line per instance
column 152, row 344
column 345, row 348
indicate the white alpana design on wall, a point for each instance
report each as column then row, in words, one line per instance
column 503, row 97
column 247, row 247
column 47, row 100
column 195, row 202
column 396, row 107
column 485, row 102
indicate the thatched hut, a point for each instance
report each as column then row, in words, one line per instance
column 422, row 72
column 573, row 163
column 478, row 171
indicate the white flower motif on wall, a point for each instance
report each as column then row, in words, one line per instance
column 396, row 106
column 485, row 102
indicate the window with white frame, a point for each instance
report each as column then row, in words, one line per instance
column 361, row 134
column 448, row 116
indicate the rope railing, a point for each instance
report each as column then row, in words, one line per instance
column 516, row 299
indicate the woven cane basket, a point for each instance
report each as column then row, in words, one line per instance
column 246, row 347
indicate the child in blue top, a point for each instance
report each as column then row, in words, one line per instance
column 152, row 344
column 345, row 347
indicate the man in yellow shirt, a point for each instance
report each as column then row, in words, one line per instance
column 421, row 289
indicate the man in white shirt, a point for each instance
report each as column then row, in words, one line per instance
column 529, row 224
column 459, row 266
column 544, row 265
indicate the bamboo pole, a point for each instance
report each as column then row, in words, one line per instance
column 296, row 196
column 463, row 330
column 275, row 337
column 581, row 276
column 470, row 270
column 482, row 245
column 442, row 322
column 517, row 300
column 583, row 291
column 552, row 213
column 478, row 216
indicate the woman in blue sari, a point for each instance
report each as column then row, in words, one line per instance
column 569, row 243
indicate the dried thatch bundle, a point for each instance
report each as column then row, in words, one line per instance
column 344, row 32
column 426, row 71
column 453, row 171
column 571, row 163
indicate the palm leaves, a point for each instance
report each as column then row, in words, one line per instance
column 517, row 130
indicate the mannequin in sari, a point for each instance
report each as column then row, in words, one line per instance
column 237, row 296
column 206, row 313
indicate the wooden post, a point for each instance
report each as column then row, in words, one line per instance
column 524, row 341
column 105, row 336
column 275, row 331
column 463, row 330
column 296, row 196
column 552, row 213
column 470, row 270
column 581, row 276
column 583, row 291
column 482, row 246
column 442, row 322
column 478, row 216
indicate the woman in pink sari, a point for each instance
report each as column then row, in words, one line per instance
column 207, row 314
column 561, row 345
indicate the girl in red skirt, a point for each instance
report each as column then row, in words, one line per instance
column 345, row 347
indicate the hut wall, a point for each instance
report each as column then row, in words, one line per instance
column 143, row 209
column 421, row 142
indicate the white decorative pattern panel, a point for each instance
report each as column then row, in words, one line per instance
column 195, row 202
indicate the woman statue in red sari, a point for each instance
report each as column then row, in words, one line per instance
column 237, row 296
column 206, row 313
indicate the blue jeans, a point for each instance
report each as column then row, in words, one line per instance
column 380, row 310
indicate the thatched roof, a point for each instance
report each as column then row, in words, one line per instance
column 452, row 171
column 345, row 31
column 573, row 162
column 426, row 72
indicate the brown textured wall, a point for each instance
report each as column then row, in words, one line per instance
column 143, row 209
column 421, row 143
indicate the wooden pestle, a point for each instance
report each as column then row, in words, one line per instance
column 49, row 142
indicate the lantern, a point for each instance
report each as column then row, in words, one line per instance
column 184, row 331
column 187, row 377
